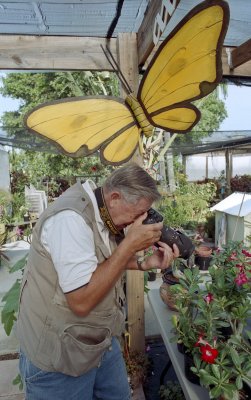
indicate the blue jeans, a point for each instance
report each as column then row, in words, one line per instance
column 107, row 382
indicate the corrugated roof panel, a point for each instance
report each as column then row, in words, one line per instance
column 93, row 18
column 237, row 203
column 80, row 18
column 240, row 20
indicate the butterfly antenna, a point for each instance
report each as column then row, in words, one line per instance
column 116, row 68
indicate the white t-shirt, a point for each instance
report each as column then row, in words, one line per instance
column 70, row 242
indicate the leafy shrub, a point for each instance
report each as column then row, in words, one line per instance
column 241, row 183
column 188, row 206
column 171, row 391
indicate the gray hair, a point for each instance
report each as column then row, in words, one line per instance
column 133, row 182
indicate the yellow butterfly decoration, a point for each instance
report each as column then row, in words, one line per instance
column 186, row 67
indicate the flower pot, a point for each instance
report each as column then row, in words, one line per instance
column 244, row 393
column 225, row 332
column 181, row 348
column 151, row 276
column 26, row 218
column 203, row 262
column 203, row 251
column 190, row 375
column 165, row 290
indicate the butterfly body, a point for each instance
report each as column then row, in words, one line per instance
column 139, row 114
column 186, row 67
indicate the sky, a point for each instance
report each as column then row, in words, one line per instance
column 238, row 105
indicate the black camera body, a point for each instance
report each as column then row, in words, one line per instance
column 171, row 236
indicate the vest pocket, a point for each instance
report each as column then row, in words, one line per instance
column 80, row 348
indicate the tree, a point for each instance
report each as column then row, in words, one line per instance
column 33, row 89
column 213, row 113
column 36, row 88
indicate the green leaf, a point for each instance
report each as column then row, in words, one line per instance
column 207, row 378
column 18, row 381
column 20, row 264
column 239, row 383
column 216, row 370
column 248, row 333
column 11, row 298
column 216, row 392
column 235, row 357
column 8, row 320
column 10, row 308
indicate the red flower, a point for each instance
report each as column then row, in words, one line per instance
column 246, row 253
column 200, row 340
column 241, row 279
column 233, row 256
column 208, row 298
column 208, row 354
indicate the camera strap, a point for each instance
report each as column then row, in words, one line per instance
column 104, row 213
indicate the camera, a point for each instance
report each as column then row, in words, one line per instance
column 171, row 236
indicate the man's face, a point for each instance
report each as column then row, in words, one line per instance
column 124, row 213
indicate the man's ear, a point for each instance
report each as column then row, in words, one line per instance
column 115, row 195
column 114, row 198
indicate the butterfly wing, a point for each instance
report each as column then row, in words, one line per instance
column 121, row 147
column 186, row 67
column 80, row 126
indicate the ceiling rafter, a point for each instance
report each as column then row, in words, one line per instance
column 241, row 54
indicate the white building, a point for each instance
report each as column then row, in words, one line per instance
column 233, row 219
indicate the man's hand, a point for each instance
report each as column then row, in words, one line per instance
column 140, row 236
column 162, row 257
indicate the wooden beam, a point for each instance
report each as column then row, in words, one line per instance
column 128, row 61
column 243, row 70
column 240, row 55
column 157, row 15
column 25, row 52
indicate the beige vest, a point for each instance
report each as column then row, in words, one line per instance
column 50, row 334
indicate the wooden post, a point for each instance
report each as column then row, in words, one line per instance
column 170, row 169
column 228, row 156
column 128, row 61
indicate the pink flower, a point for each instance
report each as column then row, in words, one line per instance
column 241, row 268
column 233, row 256
column 241, row 279
column 200, row 341
column 246, row 253
column 208, row 298
column 19, row 231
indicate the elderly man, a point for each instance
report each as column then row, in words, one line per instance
column 71, row 305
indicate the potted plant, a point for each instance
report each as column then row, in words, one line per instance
column 222, row 362
column 171, row 391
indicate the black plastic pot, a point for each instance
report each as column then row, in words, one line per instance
column 225, row 332
column 188, row 363
column 151, row 276
column 246, row 392
column 181, row 348
column 202, row 262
